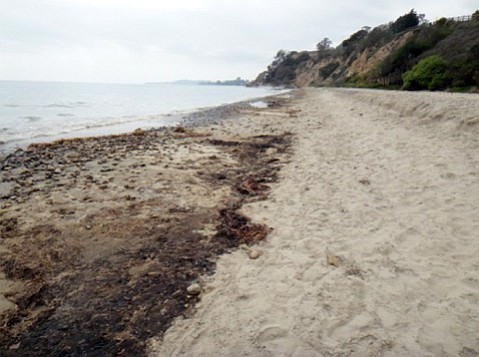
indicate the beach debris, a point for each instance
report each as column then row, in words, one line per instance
column 274, row 103
column 14, row 347
column 82, row 266
column 181, row 132
column 8, row 227
column 333, row 260
column 139, row 132
column 180, row 129
column 237, row 227
column 293, row 113
column 353, row 269
column 365, row 182
column 251, row 186
column 254, row 254
column 194, row 289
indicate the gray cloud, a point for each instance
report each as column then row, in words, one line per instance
column 145, row 40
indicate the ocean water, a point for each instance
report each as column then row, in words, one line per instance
column 43, row 111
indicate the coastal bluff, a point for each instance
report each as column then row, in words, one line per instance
column 382, row 56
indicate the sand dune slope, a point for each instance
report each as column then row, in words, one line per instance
column 375, row 248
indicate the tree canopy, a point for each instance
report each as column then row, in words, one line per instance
column 324, row 44
column 406, row 21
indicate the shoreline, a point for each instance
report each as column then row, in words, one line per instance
column 125, row 223
column 183, row 117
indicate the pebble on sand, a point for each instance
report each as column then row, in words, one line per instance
column 334, row 260
column 194, row 289
column 254, row 254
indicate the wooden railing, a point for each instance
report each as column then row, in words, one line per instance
column 461, row 18
column 455, row 19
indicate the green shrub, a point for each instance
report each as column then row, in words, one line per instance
column 377, row 37
column 441, row 22
column 475, row 51
column 327, row 70
column 464, row 70
column 430, row 36
column 440, row 81
column 430, row 73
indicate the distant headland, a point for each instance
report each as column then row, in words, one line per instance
column 230, row 82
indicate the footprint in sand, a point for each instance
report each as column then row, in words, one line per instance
column 270, row 333
column 448, row 176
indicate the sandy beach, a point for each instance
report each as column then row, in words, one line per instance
column 101, row 237
column 350, row 220
column 374, row 249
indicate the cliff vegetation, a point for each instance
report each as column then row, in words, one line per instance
column 410, row 53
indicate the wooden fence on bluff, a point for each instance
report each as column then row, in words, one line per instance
column 456, row 19
column 461, row 18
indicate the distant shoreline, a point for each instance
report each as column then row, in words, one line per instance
column 124, row 125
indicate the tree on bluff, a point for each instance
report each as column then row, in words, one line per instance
column 411, row 19
column 324, row 44
column 355, row 41
column 278, row 59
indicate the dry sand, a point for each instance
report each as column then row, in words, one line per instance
column 375, row 248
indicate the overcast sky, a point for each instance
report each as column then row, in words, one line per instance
column 155, row 40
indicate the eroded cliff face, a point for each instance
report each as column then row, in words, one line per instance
column 370, row 58
column 383, row 57
column 313, row 68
